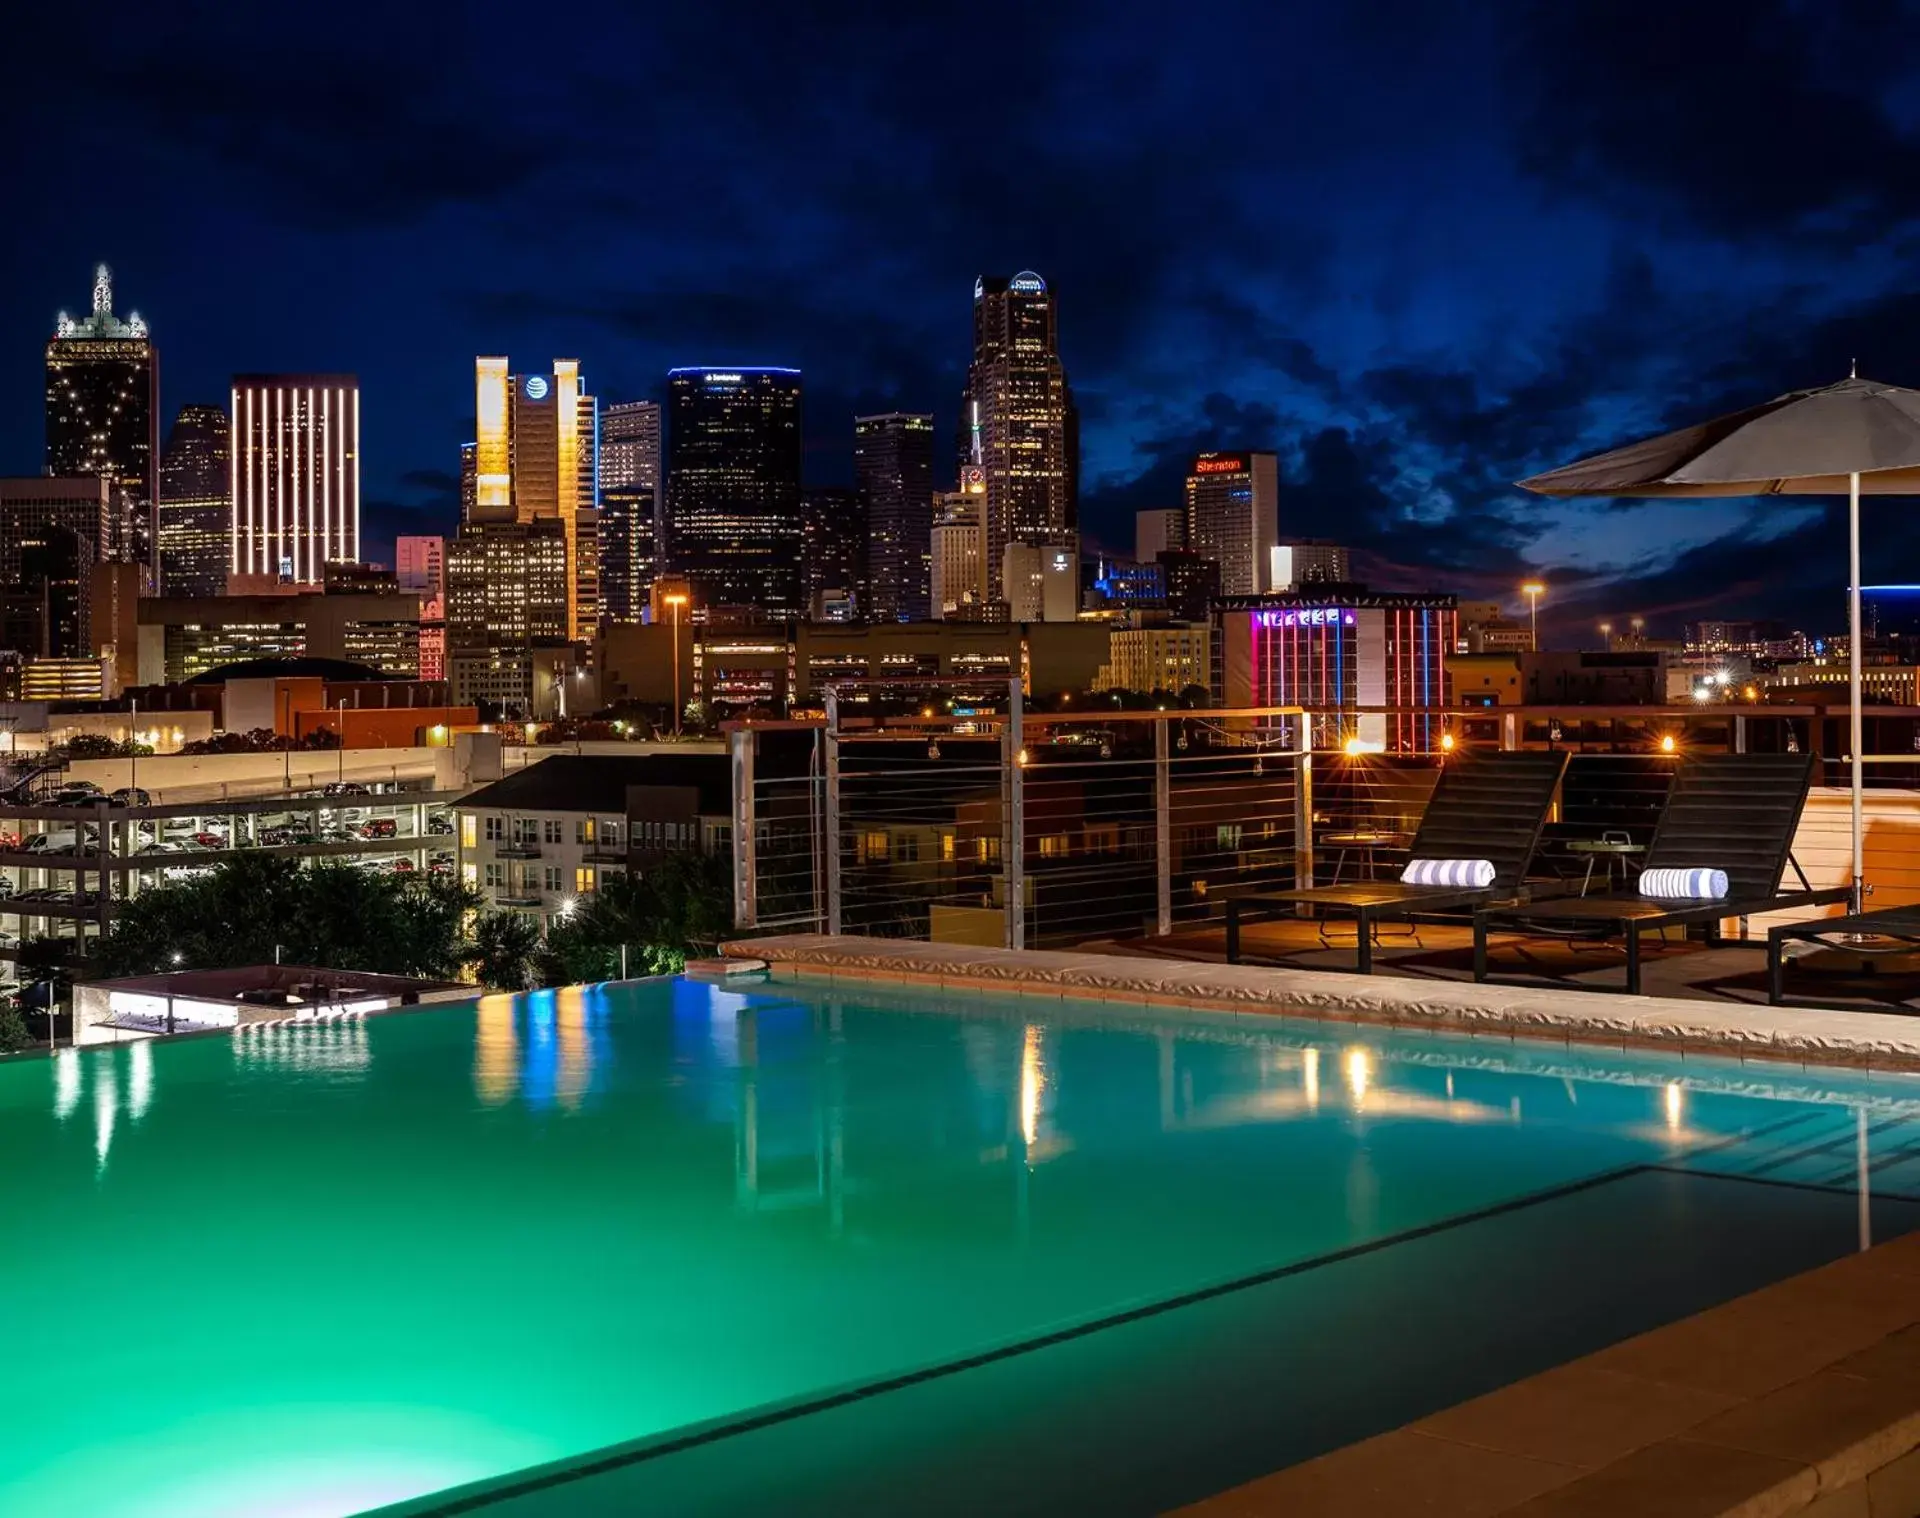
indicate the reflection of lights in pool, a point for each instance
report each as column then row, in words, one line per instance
column 1676, row 1101
column 139, row 1078
column 1359, row 1073
column 66, row 1084
column 1310, row 1075
column 1033, row 1081
column 106, row 1099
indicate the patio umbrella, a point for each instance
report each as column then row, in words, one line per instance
column 1857, row 437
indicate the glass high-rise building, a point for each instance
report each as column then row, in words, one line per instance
column 196, row 504
column 296, row 476
column 629, row 507
column 893, row 461
column 505, row 602
column 1017, row 420
column 103, row 414
column 537, row 457
column 733, row 487
column 52, row 533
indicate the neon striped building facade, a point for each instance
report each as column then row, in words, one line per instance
column 1345, row 654
column 295, row 457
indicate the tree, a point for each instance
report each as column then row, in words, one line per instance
column 254, row 909
column 503, row 951
column 680, row 904
column 13, row 1030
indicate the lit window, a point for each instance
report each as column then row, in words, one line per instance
column 467, row 829
column 583, row 830
column 873, row 848
column 583, row 878
column 1054, row 846
column 946, row 847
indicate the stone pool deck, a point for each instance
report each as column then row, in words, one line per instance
column 1807, row 1036
column 1802, row 1398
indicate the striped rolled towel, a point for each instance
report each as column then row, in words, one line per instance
column 1683, row 885
column 1476, row 874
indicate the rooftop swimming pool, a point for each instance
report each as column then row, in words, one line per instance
column 676, row 1248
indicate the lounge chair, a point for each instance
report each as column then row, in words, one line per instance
column 1897, row 927
column 1487, row 807
column 1731, row 813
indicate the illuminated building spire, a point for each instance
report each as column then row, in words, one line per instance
column 102, row 290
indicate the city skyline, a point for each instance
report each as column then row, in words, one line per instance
column 1413, row 303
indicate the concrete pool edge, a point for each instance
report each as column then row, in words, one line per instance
column 1802, row 1396
column 1870, row 1040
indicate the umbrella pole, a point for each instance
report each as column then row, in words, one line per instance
column 1853, row 658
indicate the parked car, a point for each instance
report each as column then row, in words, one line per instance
column 77, row 793
column 347, row 788
column 380, row 827
column 59, row 841
column 439, row 822
column 210, row 840
column 403, row 866
column 129, row 795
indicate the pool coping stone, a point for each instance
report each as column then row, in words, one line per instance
column 1870, row 1040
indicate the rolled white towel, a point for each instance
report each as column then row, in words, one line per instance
column 1683, row 885
column 1475, row 874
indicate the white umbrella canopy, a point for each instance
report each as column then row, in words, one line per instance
column 1858, row 437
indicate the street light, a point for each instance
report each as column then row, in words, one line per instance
column 1533, row 590
column 676, row 601
column 1606, row 634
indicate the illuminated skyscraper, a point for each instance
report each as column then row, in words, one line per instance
column 733, row 487
column 959, row 550
column 893, row 461
column 1017, row 421
column 103, row 413
column 1233, row 517
column 832, row 555
column 196, row 504
column 296, row 475
column 52, row 533
column 536, row 457
column 506, row 602
column 629, row 507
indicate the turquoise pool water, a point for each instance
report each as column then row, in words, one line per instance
column 1076, row 1255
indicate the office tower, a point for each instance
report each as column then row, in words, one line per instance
column 733, row 487
column 630, row 445
column 1233, row 517
column 629, row 549
column 506, row 600
column 1042, row 582
column 1193, row 584
column 893, row 463
column 114, row 592
column 959, row 556
column 103, row 414
column 296, row 476
column 1309, row 563
column 537, row 458
column 1154, row 532
column 420, row 566
column 196, row 504
column 1016, row 419
column 52, row 533
column 833, row 570
column 469, row 479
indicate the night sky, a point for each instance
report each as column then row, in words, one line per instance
column 1421, row 248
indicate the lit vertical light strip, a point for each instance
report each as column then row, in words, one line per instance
column 326, row 466
column 350, row 470
column 233, row 489
column 279, row 477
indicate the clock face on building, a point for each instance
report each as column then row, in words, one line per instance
column 536, row 387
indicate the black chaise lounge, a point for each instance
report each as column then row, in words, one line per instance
column 1736, row 813
column 1897, row 927
column 1484, row 806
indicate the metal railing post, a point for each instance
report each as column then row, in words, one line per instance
column 1014, row 846
column 1162, row 831
column 1303, row 809
column 831, row 806
column 742, row 742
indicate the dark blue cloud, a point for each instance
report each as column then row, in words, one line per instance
column 1422, row 249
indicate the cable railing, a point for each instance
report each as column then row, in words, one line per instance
column 973, row 820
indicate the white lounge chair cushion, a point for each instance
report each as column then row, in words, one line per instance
column 1475, row 874
column 1683, row 885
